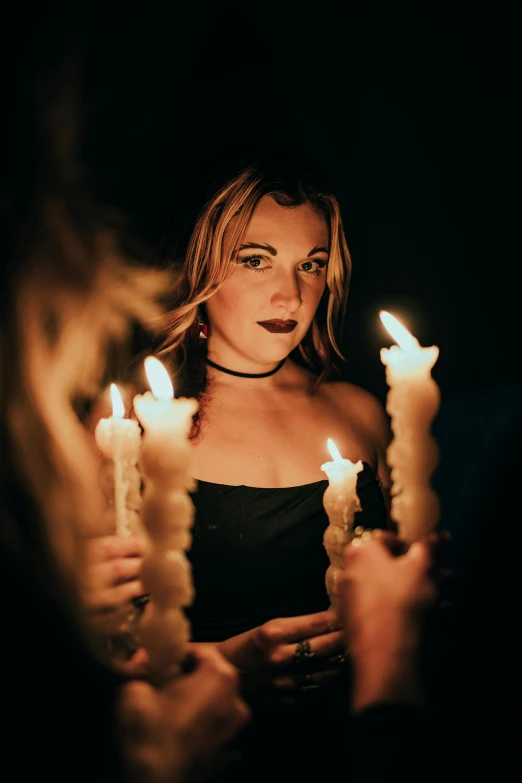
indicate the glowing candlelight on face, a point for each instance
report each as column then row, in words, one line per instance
column 340, row 502
column 412, row 402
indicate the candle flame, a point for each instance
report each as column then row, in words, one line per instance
column 158, row 379
column 400, row 334
column 118, row 408
column 334, row 451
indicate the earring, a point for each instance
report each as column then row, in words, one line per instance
column 199, row 329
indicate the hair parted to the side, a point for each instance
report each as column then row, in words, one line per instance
column 201, row 265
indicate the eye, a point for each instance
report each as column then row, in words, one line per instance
column 254, row 263
column 312, row 267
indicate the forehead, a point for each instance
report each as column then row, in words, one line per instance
column 278, row 226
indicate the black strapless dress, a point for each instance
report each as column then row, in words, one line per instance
column 258, row 554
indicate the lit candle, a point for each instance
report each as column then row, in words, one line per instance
column 340, row 502
column 119, row 441
column 168, row 516
column 412, row 402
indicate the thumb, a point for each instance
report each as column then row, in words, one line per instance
column 207, row 655
column 419, row 553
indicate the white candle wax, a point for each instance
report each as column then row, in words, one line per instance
column 119, row 441
column 165, row 634
column 167, row 424
column 341, row 502
column 168, row 515
column 412, row 403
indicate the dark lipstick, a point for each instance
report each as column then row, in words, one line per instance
column 277, row 326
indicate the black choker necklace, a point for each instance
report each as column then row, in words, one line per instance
column 246, row 374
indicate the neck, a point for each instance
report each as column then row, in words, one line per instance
column 241, row 373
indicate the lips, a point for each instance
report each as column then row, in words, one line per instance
column 277, row 326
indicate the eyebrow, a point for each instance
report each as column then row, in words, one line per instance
column 273, row 251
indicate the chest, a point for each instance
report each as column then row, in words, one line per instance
column 273, row 443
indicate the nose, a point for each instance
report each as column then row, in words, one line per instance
column 288, row 294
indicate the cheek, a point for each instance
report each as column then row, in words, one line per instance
column 312, row 296
column 216, row 305
column 231, row 302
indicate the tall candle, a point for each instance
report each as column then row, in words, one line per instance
column 119, row 440
column 340, row 502
column 412, row 402
column 168, row 515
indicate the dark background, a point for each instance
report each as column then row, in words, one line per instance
column 414, row 109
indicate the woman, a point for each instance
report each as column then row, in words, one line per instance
column 261, row 291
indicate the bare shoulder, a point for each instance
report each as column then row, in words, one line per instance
column 365, row 412
column 359, row 403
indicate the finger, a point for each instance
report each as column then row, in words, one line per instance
column 214, row 683
column 100, row 549
column 421, row 553
column 136, row 666
column 358, row 548
column 113, row 598
column 323, row 646
column 114, row 572
column 293, row 629
column 387, row 539
column 125, row 592
column 289, row 682
column 207, row 656
column 124, row 569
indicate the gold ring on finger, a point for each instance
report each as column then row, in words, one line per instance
column 303, row 651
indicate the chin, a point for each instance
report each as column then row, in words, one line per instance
column 268, row 357
column 277, row 353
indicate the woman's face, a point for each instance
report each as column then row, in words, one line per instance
column 277, row 277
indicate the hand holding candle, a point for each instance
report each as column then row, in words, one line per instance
column 168, row 515
column 412, row 403
column 340, row 502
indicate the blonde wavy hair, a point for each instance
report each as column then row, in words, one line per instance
column 204, row 266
